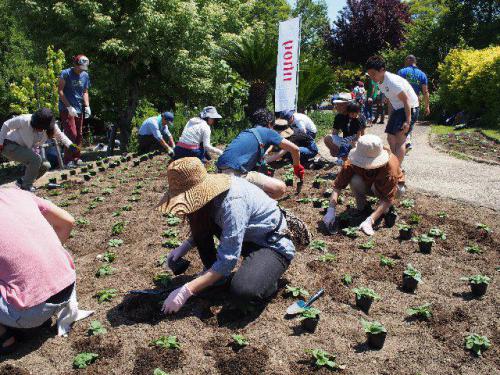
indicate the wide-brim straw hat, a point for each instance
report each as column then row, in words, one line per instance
column 190, row 187
column 282, row 127
column 369, row 152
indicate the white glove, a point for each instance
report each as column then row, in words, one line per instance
column 87, row 112
column 179, row 252
column 329, row 218
column 72, row 111
column 366, row 226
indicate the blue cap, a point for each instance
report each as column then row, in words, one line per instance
column 169, row 116
column 287, row 115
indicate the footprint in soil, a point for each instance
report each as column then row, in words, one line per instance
column 148, row 359
column 11, row 370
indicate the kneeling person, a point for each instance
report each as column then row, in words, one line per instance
column 154, row 134
column 247, row 150
column 370, row 170
column 247, row 222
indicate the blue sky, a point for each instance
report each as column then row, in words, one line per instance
column 333, row 7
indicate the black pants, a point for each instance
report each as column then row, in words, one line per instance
column 148, row 143
column 257, row 278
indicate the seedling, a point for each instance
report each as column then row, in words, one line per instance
column 85, row 191
column 82, row 360
column 327, row 257
column 106, row 295
column 483, row 228
column 170, row 233
column 386, row 262
column 319, row 245
column 115, row 242
column 478, row 284
column 309, row 313
column 116, row 213
column 96, row 328
column 473, row 249
column 421, row 312
column 340, row 199
column 173, row 220
column 437, row 233
column 375, row 333
column 82, row 221
column 411, row 272
column 99, row 199
column 408, row 203
column 134, row 198
column 107, row 191
column 347, row 279
column 171, row 243
column 372, row 200
column 162, row 259
column 411, row 278
column 158, row 371
column 163, row 279
column 127, row 208
column 442, row 215
column 367, row 245
column 109, row 256
column 304, row 200
column 296, row 291
column 415, row 219
column 54, row 193
column 366, row 293
column 351, row 203
column 424, row 243
column 92, row 205
column 117, row 228
column 324, row 359
column 240, row 341
column 351, row 232
column 105, row 270
column 317, row 182
column 477, row 344
column 166, row 342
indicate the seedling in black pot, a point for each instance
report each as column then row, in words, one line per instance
column 64, row 176
column 484, row 229
column 83, row 170
column 316, row 202
column 424, row 243
column 310, row 319
column 86, row 177
column 405, row 231
column 92, row 173
column 411, row 278
column 53, row 180
column 101, row 169
column 179, row 266
column 478, row 284
column 72, row 172
column 327, row 193
column 375, row 334
column 422, row 312
column 344, row 220
column 365, row 298
column 390, row 217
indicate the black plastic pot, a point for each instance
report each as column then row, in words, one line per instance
column 390, row 219
column 72, row 172
column 409, row 284
column 92, row 173
column 317, row 204
column 98, row 163
column 310, row 324
column 316, row 184
column 364, row 303
column 136, row 163
column 83, row 170
column 151, row 156
column 64, row 176
column 53, row 180
column 405, row 235
column 101, row 169
column 86, row 177
column 289, row 182
column 179, row 266
column 327, row 194
column 376, row 341
column 478, row 289
column 425, row 247
column 112, row 165
column 117, row 162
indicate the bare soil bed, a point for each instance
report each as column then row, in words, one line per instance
column 471, row 143
column 277, row 345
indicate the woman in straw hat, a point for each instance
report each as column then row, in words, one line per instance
column 370, row 170
column 247, row 222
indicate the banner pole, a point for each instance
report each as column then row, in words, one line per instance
column 298, row 65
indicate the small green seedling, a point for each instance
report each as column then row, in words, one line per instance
column 410, row 271
column 364, row 292
column 106, row 295
column 107, row 191
column 424, row 238
column 170, row 233
column 372, row 327
column 351, row 203
column 63, row 204
column 404, row 227
column 304, row 200
column 309, row 313
column 158, row 371
column 171, row 243
column 115, row 242
column 134, row 198
column 92, row 205
column 437, row 233
column 318, row 245
column 327, row 257
column 415, row 219
column 408, row 203
column 477, row 279
column 82, row 360
column 386, row 262
column 367, row 245
column 351, row 232
column 477, row 344
column 98, row 199
column 173, row 220
column 296, row 291
column 117, row 228
column 85, row 191
column 240, row 340
column 473, row 249
column 421, row 312
column 166, row 342
column 483, row 228
column 340, row 199
column 105, row 270
column 116, row 213
column 109, row 256
column 82, row 221
column 162, row 259
column 139, row 186
column 442, row 215
column 54, row 193
column 96, row 328
column 324, row 359
column 128, row 207
column 347, row 279
column 163, row 278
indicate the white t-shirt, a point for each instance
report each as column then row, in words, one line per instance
column 304, row 123
column 198, row 131
column 393, row 85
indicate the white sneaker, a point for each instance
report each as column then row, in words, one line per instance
column 79, row 162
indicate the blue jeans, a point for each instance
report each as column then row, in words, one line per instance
column 309, row 152
column 368, row 112
column 180, row 152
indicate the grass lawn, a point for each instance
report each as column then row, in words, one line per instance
column 443, row 129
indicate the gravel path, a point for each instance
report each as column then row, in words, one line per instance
column 432, row 171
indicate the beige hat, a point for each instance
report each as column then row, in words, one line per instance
column 369, row 152
column 190, row 187
column 282, row 127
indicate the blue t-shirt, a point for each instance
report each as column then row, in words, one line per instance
column 75, row 86
column 243, row 153
column 153, row 126
column 415, row 76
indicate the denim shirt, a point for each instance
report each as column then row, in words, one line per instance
column 246, row 214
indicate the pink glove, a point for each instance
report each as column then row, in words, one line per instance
column 176, row 300
column 367, row 226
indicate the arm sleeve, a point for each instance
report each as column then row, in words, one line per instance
column 274, row 138
column 206, row 141
column 344, row 177
column 61, row 137
column 13, row 123
column 235, row 219
column 166, row 132
column 157, row 133
column 423, row 79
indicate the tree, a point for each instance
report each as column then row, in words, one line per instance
column 315, row 83
column 315, row 25
column 365, row 27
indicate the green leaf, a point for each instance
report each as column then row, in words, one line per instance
column 240, row 340
column 367, row 245
column 82, row 360
column 318, row 245
column 115, row 242
column 166, row 342
column 372, row 327
column 106, row 295
column 105, row 270
column 297, row 291
column 96, row 328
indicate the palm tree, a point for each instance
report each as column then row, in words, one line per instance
column 315, row 83
column 254, row 59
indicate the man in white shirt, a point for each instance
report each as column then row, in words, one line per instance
column 21, row 134
column 300, row 121
column 403, row 104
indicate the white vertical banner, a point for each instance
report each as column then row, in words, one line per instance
column 288, row 65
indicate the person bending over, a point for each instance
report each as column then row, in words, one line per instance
column 154, row 134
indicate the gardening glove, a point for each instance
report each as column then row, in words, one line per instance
column 179, row 252
column 88, row 112
column 329, row 219
column 176, row 300
column 366, row 226
column 299, row 171
column 74, row 148
column 170, row 153
column 72, row 111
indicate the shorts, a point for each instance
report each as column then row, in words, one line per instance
column 397, row 119
column 256, row 178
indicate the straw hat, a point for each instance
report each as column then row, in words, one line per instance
column 191, row 187
column 282, row 127
column 369, row 153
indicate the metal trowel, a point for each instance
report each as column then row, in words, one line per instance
column 298, row 306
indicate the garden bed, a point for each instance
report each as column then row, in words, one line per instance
column 128, row 195
column 472, row 144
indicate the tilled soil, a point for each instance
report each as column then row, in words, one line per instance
column 276, row 344
column 471, row 143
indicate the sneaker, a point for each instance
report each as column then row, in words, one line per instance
column 79, row 162
column 71, row 165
